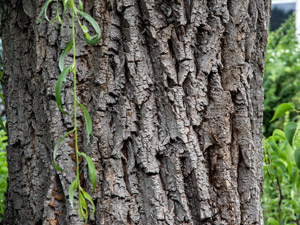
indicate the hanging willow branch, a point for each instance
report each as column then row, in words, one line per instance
column 65, row 71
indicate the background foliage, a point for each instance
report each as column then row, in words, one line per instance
column 3, row 143
column 3, row 170
column 281, row 198
column 282, row 73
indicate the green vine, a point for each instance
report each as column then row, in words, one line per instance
column 71, row 45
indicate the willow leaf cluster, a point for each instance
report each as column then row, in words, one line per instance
column 77, row 14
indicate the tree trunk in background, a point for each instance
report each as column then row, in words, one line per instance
column 174, row 89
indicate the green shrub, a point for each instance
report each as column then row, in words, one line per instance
column 281, row 198
column 282, row 73
column 281, row 180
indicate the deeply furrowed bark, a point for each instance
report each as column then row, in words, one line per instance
column 174, row 89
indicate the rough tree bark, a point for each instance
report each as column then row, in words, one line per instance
column 175, row 93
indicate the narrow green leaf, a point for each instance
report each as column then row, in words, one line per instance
column 92, row 170
column 53, row 20
column 62, row 57
column 89, row 198
column 80, row 5
column 56, row 166
column 88, row 122
column 65, row 6
column 65, row 3
column 57, row 13
column 59, row 19
column 82, row 200
column 44, row 10
column 80, row 210
column 93, row 40
column 61, row 78
column 82, row 206
column 57, row 147
column 290, row 131
column 84, row 29
column 72, row 190
column 281, row 109
column 39, row 19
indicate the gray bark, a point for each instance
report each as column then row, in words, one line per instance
column 174, row 89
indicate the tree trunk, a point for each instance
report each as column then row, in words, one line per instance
column 174, row 89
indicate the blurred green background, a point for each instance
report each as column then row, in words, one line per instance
column 281, row 198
